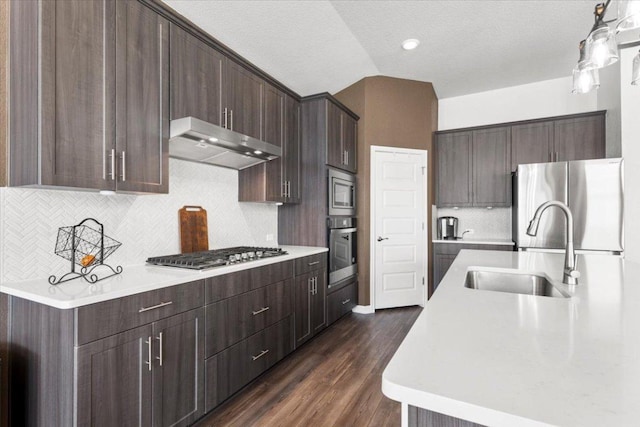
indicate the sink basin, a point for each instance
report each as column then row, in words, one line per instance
column 515, row 283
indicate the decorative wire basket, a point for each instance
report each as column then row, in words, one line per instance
column 86, row 247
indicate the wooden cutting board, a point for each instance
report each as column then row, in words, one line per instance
column 194, row 233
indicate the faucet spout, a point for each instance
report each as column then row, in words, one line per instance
column 571, row 275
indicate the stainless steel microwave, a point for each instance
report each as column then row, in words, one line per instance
column 342, row 193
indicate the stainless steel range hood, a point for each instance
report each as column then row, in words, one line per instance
column 199, row 141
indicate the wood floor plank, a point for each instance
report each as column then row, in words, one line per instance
column 333, row 380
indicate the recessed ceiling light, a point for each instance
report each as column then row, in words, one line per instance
column 257, row 152
column 410, row 44
column 212, row 139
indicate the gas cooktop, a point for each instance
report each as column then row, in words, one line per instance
column 216, row 258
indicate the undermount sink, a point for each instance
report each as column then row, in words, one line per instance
column 515, row 283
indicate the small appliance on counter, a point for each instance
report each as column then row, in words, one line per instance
column 447, row 228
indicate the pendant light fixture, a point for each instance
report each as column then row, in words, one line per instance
column 635, row 75
column 601, row 47
column 628, row 15
column 585, row 75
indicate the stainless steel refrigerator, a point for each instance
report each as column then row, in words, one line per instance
column 593, row 190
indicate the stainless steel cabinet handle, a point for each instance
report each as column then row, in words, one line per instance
column 124, row 166
column 262, row 310
column 288, row 188
column 148, row 342
column 161, row 350
column 310, row 282
column 112, row 174
column 231, row 120
column 262, row 353
column 315, row 284
column 225, row 118
column 346, row 301
column 556, row 156
column 347, row 153
column 153, row 307
column 313, row 263
column 380, row 239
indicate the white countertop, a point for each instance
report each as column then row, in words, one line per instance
column 133, row 280
column 502, row 359
column 470, row 241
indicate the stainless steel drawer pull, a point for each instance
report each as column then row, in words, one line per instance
column 153, row 307
column 160, row 351
column 124, row 166
column 262, row 310
column 346, row 301
column 262, row 353
column 313, row 263
column 148, row 342
column 112, row 174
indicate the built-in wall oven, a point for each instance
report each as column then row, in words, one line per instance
column 342, row 250
column 342, row 193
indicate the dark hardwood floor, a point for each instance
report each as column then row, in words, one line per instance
column 334, row 380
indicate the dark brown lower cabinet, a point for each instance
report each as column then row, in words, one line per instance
column 445, row 253
column 419, row 417
column 235, row 367
column 341, row 302
column 145, row 376
column 114, row 381
column 310, row 304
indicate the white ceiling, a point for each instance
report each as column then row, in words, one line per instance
column 467, row 46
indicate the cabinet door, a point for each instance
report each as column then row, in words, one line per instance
column 349, row 142
column 291, row 156
column 531, row 143
column 335, row 153
column 114, row 380
column 196, row 78
column 491, row 167
column 453, row 169
column 243, row 100
column 142, row 99
column 440, row 267
column 178, row 370
column 319, row 302
column 273, row 116
column 579, row 138
column 303, row 308
column 77, row 94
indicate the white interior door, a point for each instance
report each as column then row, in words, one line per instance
column 399, row 219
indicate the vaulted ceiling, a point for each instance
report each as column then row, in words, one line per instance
column 467, row 46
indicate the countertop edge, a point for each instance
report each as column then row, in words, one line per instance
column 452, row 407
column 175, row 277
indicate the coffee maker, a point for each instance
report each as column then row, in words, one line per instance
column 447, row 228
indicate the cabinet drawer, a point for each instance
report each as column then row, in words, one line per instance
column 110, row 317
column 341, row 302
column 235, row 367
column 310, row 263
column 233, row 319
column 228, row 285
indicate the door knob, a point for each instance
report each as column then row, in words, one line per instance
column 380, row 239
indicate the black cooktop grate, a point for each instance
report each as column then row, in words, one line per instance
column 216, row 258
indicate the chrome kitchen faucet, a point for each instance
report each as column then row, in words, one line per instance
column 571, row 275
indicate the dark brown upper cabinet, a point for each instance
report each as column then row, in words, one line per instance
column 142, row 99
column 531, row 143
column 453, row 169
column 196, row 78
column 491, row 184
column 278, row 180
column 473, row 165
column 473, row 168
column 273, row 116
column 89, row 92
column 341, row 138
column 242, row 100
column 577, row 137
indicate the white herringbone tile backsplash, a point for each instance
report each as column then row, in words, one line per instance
column 146, row 225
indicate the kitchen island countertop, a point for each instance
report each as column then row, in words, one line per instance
column 133, row 280
column 504, row 359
